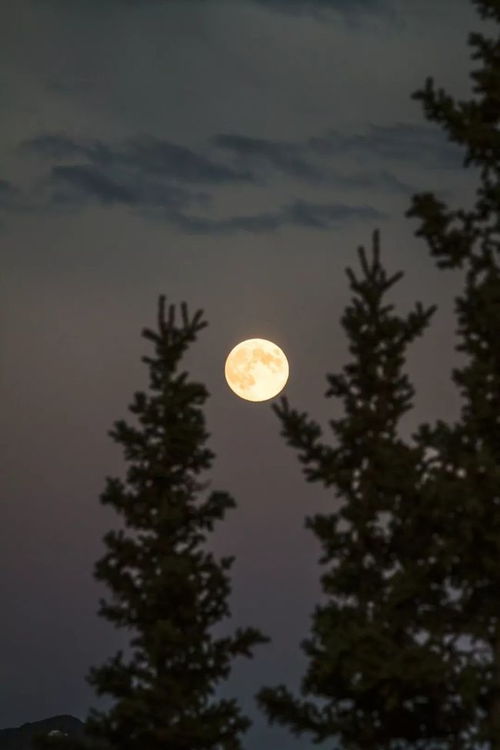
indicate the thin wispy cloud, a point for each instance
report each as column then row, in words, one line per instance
column 380, row 179
column 281, row 6
column 158, row 179
column 285, row 156
column 78, row 183
column 13, row 199
column 311, row 6
column 144, row 154
column 172, row 181
column 87, row 180
column 256, row 223
column 7, row 193
column 306, row 214
column 142, row 173
column 399, row 142
column 324, row 216
column 301, row 161
column 328, row 11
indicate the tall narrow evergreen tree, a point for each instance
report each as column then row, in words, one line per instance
column 445, row 538
column 165, row 588
column 465, row 505
column 376, row 677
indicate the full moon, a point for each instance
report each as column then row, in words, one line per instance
column 256, row 369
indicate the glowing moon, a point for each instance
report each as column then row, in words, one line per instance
column 256, row 369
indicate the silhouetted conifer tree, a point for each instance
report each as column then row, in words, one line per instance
column 164, row 587
column 444, row 536
column 464, row 508
column 374, row 678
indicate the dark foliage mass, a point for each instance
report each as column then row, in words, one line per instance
column 405, row 651
column 367, row 659
column 165, row 588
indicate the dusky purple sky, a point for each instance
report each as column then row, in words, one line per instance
column 233, row 155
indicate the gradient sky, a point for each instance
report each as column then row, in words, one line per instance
column 233, row 155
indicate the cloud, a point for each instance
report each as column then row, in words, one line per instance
column 284, row 6
column 12, row 199
column 403, row 142
column 155, row 172
column 324, row 216
column 293, row 7
column 73, row 183
column 159, row 178
column 142, row 172
column 53, row 146
column 289, row 158
column 89, row 181
column 198, row 225
column 156, row 177
column 8, row 193
column 338, row 5
column 162, row 157
column 307, row 160
column 379, row 179
column 323, row 9
column 146, row 155
column 298, row 213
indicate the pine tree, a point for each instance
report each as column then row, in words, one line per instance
column 444, row 537
column 376, row 678
column 465, row 505
column 165, row 588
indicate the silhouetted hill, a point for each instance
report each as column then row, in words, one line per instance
column 20, row 738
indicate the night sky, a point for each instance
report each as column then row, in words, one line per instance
column 230, row 154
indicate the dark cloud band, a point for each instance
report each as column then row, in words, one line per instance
column 298, row 213
column 144, row 155
column 154, row 175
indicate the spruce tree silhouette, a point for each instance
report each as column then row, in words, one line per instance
column 464, row 508
column 444, row 536
column 164, row 587
column 376, row 680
